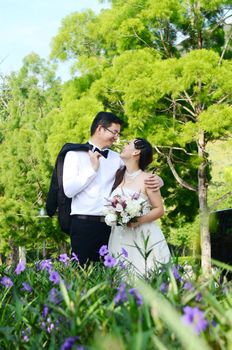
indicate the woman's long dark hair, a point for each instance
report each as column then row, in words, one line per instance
column 146, row 156
column 118, row 177
column 146, row 152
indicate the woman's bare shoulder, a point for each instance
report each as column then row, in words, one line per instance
column 146, row 174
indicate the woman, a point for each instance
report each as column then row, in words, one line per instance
column 144, row 235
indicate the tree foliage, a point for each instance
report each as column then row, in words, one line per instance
column 164, row 67
column 34, row 92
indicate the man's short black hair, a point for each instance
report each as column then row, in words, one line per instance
column 105, row 119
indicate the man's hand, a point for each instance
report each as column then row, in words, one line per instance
column 153, row 182
column 94, row 159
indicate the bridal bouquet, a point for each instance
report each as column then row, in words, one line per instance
column 122, row 209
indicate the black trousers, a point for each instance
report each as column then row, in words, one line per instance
column 87, row 237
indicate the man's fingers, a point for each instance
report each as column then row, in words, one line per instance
column 98, row 155
column 148, row 181
column 95, row 154
column 150, row 178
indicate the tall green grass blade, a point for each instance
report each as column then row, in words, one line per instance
column 172, row 319
column 158, row 344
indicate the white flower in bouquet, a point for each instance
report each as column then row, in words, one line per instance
column 123, row 209
column 107, row 209
column 133, row 208
column 125, row 218
column 111, row 219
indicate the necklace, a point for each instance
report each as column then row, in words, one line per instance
column 131, row 176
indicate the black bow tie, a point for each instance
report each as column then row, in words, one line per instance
column 103, row 153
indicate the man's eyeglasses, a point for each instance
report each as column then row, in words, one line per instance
column 114, row 132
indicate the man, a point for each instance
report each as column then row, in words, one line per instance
column 88, row 179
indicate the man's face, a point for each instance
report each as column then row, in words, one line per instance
column 110, row 135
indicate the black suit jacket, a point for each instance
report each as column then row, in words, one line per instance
column 56, row 199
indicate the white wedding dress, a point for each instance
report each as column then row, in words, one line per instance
column 128, row 238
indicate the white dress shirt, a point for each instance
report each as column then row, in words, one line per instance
column 89, row 188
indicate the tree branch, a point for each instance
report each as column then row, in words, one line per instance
column 156, row 147
column 121, row 105
column 163, row 41
column 221, row 199
column 174, row 172
column 191, row 114
column 189, row 99
column 221, row 21
column 178, row 178
column 225, row 48
column 138, row 37
column 222, row 99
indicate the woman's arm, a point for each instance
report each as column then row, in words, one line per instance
column 157, row 207
column 156, row 212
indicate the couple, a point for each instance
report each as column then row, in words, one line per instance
column 88, row 179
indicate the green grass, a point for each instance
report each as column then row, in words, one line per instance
column 100, row 307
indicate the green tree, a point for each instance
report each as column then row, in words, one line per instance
column 178, row 95
column 163, row 66
column 181, row 105
column 33, row 92
column 139, row 24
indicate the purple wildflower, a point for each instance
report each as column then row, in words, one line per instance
column 6, row 282
column 46, row 265
column 64, row 259
column 45, row 311
column 109, row 261
column 136, row 295
column 69, row 342
column 195, row 317
column 214, row 323
column 198, row 297
column 176, row 273
column 25, row 338
column 20, row 267
column 163, row 287
column 122, row 264
column 50, row 327
column 26, row 287
column 74, row 257
column 43, row 324
column 54, row 277
column 124, row 252
column 188, row 286
column 25, row 335
column 103, row 250
column 67, row 285
column 54, row 296
column 121, row 296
